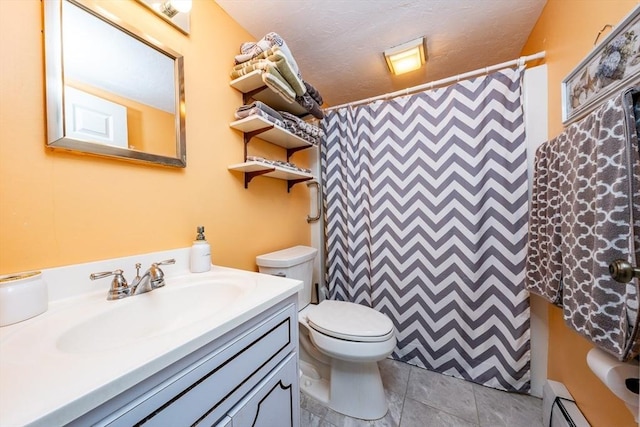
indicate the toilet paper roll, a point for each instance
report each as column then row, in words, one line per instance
column 614, row 374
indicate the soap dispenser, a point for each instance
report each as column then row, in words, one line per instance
column 200, row 256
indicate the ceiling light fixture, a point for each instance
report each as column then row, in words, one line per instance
column 172, row 7
column 406, row 57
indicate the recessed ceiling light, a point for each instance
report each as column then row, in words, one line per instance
column 406, row 57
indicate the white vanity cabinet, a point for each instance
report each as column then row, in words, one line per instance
column 247, row 377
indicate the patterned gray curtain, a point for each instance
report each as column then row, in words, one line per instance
column 426, row 221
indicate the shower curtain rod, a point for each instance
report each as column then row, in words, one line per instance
column 519, row 62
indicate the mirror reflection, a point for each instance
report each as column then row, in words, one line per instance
column 113, row 92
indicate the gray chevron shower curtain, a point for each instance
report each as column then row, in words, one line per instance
column 426, row 221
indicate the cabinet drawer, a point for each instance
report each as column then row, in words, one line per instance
column 211, row 386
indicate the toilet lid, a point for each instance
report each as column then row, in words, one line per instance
column 350, row 321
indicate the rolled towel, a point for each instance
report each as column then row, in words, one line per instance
column 250, row 50
column 272, row 58
column 246, row 68
column 276, row 82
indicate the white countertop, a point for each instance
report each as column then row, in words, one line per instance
column 44, row 382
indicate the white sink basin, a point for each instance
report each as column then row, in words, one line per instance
column 85, row 350
column 147, row 315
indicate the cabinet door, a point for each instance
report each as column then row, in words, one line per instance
column 275, row 402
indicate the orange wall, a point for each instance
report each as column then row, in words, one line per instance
column 59, row 208
column 566, row 30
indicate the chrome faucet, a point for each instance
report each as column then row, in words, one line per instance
column 153, row 278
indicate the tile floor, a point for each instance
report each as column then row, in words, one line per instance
column 421, row 398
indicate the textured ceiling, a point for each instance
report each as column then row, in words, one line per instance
column 338, row 44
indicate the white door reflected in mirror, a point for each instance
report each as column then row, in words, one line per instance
column 92, row 118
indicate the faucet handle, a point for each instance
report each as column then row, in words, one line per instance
column 156, row 275
column 119, row 286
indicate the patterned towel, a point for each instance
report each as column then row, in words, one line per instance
column 599, row 208
column 261, row 109
column 309, row 104
column 304, row 130
column 600, row 170
column 636, row 110
column 544, row 257
column 311, row 101
column 313, row 93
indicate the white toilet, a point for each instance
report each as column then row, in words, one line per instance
column 340, row 342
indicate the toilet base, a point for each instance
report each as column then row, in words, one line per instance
column 356, row 392
column 317, row 389
column 312, row 384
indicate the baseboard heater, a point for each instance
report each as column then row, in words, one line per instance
column 559, row 409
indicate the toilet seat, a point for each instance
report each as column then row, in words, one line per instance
column 349, row 321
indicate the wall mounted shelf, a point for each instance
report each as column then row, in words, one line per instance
column 252, row 86
column 253, row 169
column 254, row 89
column 253, row 126
column 270, row 132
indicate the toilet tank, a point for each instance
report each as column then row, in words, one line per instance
column 294, row 263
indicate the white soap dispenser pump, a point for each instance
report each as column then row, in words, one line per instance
column 200, row 256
